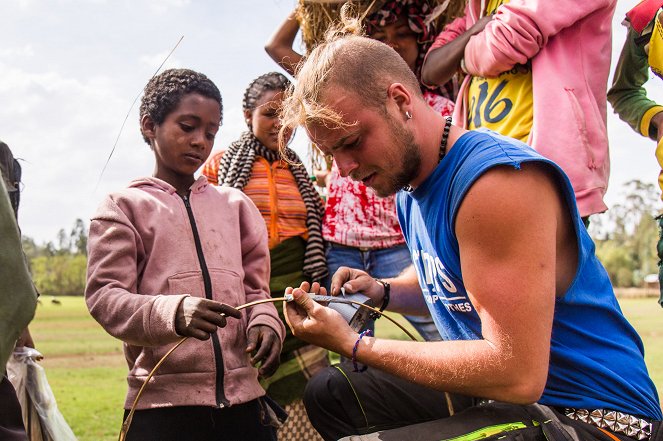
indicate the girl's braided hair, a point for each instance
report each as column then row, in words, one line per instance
column 164, row 91
column 258, row 87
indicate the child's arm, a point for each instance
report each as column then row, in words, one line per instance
column 114, row 250
column 199, row 318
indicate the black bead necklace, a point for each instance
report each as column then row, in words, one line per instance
column 445, row 138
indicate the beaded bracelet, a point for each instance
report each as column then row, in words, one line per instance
column 364, row 333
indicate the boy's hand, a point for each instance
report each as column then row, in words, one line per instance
column 199, row 318
column 264, row 341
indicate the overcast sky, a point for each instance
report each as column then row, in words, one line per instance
column 70, row 69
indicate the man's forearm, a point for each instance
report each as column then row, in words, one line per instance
column 406, row 296
column 476, row 368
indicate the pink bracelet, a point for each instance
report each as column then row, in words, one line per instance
column 364, row 333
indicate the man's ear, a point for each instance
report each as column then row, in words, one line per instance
column 148, row 127
column 398, row 94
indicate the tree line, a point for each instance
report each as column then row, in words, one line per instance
column 625, row 238
column 58, row 267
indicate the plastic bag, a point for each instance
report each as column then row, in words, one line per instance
column 42, row 419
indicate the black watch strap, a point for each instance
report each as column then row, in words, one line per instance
column 385, row 299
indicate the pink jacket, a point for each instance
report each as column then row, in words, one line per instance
column 569, row 43
column 143, row 262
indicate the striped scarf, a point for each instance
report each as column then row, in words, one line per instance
column 235, row 171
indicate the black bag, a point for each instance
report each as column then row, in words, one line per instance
column 11, row 175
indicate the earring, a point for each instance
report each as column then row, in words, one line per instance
column 408, row 115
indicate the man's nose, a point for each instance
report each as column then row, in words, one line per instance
column 346, row 165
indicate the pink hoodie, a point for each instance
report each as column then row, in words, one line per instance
column 143, row 262
column 569, row 43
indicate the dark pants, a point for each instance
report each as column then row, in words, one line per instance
column 340, row 402
column 11, row 421
column 343, row 403
column 236, row 423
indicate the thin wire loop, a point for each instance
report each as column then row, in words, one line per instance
column 127, row 422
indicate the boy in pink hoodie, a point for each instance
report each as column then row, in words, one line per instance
column 537, row 71
column 163, row 254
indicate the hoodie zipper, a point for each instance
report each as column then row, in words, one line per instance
column 221, row 400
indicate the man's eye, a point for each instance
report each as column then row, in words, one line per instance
column 210, row 136
column 353, row 145
column 186, row 127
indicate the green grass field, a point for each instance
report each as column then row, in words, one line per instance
column 86, row 369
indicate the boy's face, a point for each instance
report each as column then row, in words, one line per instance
column 184, row 140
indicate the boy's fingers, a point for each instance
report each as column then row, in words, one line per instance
column 229, row 311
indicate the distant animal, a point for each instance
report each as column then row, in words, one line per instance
column 56, row 301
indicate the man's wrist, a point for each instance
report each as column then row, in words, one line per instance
column 386, row 296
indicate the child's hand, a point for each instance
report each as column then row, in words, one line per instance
column 267, row 346
column 199, row 318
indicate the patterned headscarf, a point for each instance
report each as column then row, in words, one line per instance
column 416, row 12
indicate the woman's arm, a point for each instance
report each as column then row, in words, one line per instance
column 279, row 46
column 442, row 62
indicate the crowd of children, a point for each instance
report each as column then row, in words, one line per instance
column 174, row 255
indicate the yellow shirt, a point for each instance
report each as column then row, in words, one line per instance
column 503, row 104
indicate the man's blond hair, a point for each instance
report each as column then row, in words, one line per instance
column 349, row 63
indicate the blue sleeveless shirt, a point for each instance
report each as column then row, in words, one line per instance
column 596, row 357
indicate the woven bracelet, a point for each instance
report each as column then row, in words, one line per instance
column 364, row 333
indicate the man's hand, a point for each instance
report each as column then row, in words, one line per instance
column 265, row 345
column 318, row 324
column 199, row 318
column 354, row 280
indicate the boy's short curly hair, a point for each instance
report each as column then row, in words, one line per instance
column 164, row 91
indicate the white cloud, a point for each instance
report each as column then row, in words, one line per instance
column 165, row 6
column 25, row 51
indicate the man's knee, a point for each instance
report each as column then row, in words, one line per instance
column 322, row 390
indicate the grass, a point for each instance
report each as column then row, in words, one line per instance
column 84, row 365
column 86, row 369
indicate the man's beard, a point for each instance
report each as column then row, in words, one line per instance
column 410, row 160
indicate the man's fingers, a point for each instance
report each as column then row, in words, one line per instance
column 294, row 313
column 348, row 278
column 303, row 300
